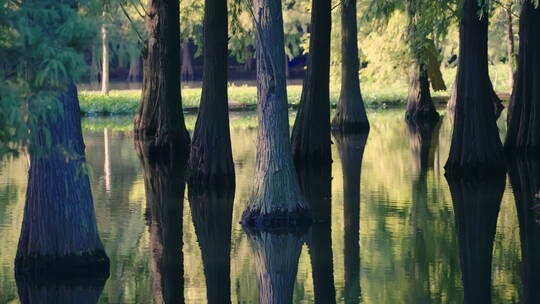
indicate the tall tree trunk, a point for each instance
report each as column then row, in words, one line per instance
column 525, row 180
column 316, row 185
column 351, row 152
column 523, row 135
column 211, row 161
column 476, row 147
column 311, row 131
column 350, row 113
column 276, row 262
column 476, row 208
column 212, row 218
column 105, row 55
column 419, row 103
column 510, row 45
column 276, row 197
column 160, row 119
column 164, row 182
column 82, row 291
column 59, row 235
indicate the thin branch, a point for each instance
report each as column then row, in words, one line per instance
column 141, row 39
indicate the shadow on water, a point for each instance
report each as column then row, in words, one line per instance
column 351, row 151
column 164, row 182
column 78, row 291
column 476, row 207
column 212, row 218
column 525, row 180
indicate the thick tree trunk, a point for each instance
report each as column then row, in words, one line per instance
column 276, row 197
column 316, row 185
column 525, row 180
column 496, row 102
column 81, row 291
column 211, row 162
column 276, row 262
column 351, row 152
column 476, row 147
column 311, row 131
column 104, row 56
column 160, row 119
column 350, row 113
column 212, row 218
column 523, row 135
column 476, row 208
column 164, row 184
column 59, row 235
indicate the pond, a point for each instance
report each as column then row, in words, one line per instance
column 393, row 239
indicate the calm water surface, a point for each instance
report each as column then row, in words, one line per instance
column 394, row 239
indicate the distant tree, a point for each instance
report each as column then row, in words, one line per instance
column 523, row 135
column 104, row 52
column 350, row 113
column 276, row 197
column 311, row 130
column 476, row 147
column 160, row 119
column 211, row 161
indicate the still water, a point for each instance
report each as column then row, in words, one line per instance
column 393, row 239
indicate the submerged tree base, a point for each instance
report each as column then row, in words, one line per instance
column 349, row 126
column 276, row 220
column 95, row 265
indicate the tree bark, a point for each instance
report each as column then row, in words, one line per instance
column 59, row 235
column 211, row 162
column 350, row 113
column 351, row 152
column 523, row 135
column 311, row 131
column 105, row 55
column 525, row 179
column 476, row 208
column 160, row 119
column 276, row 197
column 476, row 147
column 164, row 182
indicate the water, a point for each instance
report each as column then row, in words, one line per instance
column 406, row 248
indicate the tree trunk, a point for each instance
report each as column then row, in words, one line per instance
column 211, row 161
column 59, row 235
column 82, row 291
column 476, row 208
column 94, row 68
column 276, row 262
column 316, row 185
column 134, row 73
column 188, row 73
column 525, row 180
column 164, row 182
column 350, row 113
column 523, row 135
column 510, row 45
column 212, row 218
column 351, row 151
column 276, row 197
column 105, row 56
column 476, row 147
column 419, row 103
column 160, row 119
column 311, row 131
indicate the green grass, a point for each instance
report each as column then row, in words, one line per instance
column 376, row 95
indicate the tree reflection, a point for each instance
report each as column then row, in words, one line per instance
column 212, row 218
column 476, row 207
column 44, row 291
column 164, row 182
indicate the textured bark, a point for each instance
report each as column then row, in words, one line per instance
column 276, row 262
column 525, row 180
column 476, row 208
column 351, row 152
column 160, row 118
column 59, row 235
column 316, row 185
column 276, row 197
column 212, row 218
column 350, row 113
column 476, row 147
column 523, row 135
column 164, row 182
column 211, row 162
column 104, row 56
column 496, row 102
column 81, row 291
column 311, row 131
column 419, row 103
